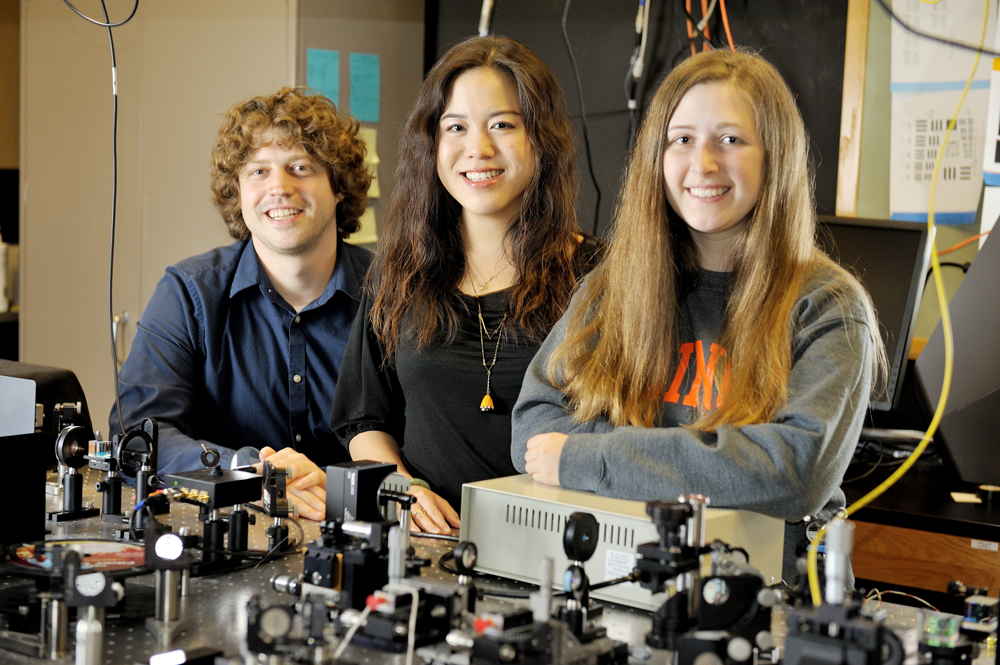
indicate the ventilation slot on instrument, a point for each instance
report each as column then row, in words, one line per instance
column 533, row 518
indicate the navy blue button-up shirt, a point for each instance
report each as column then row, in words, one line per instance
column 221, row 359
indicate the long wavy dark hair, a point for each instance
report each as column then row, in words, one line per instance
column 421, row 257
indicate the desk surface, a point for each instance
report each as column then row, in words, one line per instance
column 922, row 500
column 215, row 608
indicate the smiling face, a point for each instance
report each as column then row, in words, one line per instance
column 484, row 157
column 713, row 167
column 287, row 201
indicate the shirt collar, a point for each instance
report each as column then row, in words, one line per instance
column 346, row 275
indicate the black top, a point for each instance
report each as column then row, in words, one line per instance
column 428, row 401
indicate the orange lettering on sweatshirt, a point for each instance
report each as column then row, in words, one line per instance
column 704, row 377
column 673, row 395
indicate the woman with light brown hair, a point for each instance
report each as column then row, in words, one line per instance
column 479, row 255
column 716, row 349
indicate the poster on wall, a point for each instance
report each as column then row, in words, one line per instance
column 926, row 84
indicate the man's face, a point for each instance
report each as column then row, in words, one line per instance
column 287, row 201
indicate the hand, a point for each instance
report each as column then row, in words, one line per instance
column 542, row 458
column 307, row 482
column 431, row 513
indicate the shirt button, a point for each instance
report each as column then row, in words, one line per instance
column 297, row 319
column 298, row 437
column 297, row 378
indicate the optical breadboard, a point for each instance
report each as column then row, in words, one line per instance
column 515, row 521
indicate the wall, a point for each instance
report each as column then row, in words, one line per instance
column 395, row 31
column 180, row 63
column 804, row 39
column 873, row 180
column 10, row 44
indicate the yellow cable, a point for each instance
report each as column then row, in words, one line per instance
column 949, row 347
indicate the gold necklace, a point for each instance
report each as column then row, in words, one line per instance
column 482, row 287
column 487, row 403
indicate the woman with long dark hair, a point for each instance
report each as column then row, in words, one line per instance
column 479, row 255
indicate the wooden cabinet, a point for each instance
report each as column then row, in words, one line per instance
column 923, row 560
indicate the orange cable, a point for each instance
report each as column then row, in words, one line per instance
column 687, row 5
column 704, row 12
column 963, row 243
column 725, row 23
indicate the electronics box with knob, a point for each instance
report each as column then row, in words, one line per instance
column 515, row 521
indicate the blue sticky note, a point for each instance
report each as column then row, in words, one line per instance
column 364, row 86
column 323, row 72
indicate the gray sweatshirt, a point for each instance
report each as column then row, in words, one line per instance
column 790, row 468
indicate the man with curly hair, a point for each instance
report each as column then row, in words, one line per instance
column 242, row 346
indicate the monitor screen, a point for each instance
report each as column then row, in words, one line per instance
column 890, row 259
column 971, row 422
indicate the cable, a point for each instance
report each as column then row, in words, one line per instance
column 725, row 24
column 640, row 64
column 707, row 44
column 107, row 22
column 114, row 186
column 949, row 344
column 967, row 47
column 706, row 13
column 881, row 455
column 949, row 264
column 583, row 115
column 875, row 593
column 636, row 67
column 690, row 25
column 302, row 534
column 444, row 559
column 411, row 638
column 434, row 536
column 962, row 244
column 485, row 18
column 350, row 633
column 631, row 577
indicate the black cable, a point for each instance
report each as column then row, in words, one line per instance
column 445, row 558
column 434, row 536
column 107, row 22
column 961, row 45
column 881, row 454
column 963, row 266
column 114, row 206
column 583, row 115
column 501, row 594
column 631, row 84
column 631, row 577
column 114, row 185
column 697, row 33
column 302, row 534
column 950, row 264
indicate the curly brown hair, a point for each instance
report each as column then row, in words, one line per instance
column 294, row 116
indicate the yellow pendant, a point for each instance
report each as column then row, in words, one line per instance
column 486, row 404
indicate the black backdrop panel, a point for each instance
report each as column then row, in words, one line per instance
column 804, row 39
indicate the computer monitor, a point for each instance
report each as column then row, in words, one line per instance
column 970, row 427
column 890, row 259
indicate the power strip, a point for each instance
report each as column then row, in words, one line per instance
column 515, row 521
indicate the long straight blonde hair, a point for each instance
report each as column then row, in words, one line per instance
column 621, row 342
